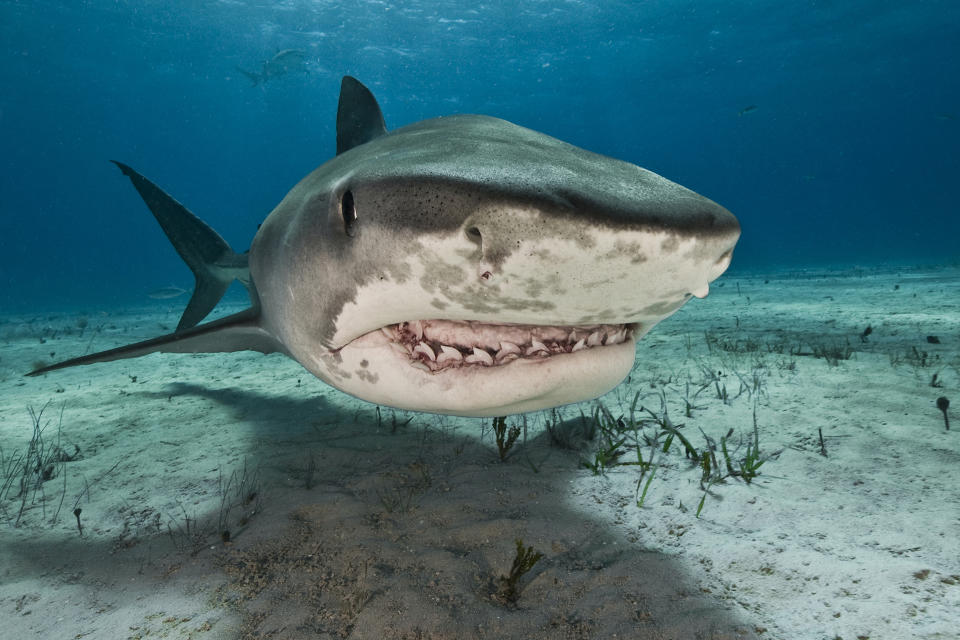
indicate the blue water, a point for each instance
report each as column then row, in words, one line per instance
column 850, row 156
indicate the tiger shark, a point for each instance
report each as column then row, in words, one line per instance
column 460, row 265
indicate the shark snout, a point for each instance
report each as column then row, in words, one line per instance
column 575, row 238
column 576, row 266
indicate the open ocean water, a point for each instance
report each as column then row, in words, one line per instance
column 232, row 495
column 829, row 128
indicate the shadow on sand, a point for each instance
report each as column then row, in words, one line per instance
column 371, row 531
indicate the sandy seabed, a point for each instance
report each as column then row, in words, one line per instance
column 235, row 496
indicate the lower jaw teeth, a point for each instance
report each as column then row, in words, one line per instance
column 479, row 356
column 435, row 357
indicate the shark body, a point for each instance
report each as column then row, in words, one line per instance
column 461, row 265
column 282, row 63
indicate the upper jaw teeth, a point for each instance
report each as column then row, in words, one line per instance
column 432, row 345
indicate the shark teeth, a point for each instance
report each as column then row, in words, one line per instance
column 479, row 356
column 536, row 347
column 616, row 338
column 435, row 345
column 508, row 350
column 425, row 349
column 449, row 354
column 415, row 328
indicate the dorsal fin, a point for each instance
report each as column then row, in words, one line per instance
column 359, row 118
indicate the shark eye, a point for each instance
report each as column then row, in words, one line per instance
column 349, row 212
column 474, row 235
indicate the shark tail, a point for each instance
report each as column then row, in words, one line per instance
column 214, row 264
column 255, row 78
column 238, row 332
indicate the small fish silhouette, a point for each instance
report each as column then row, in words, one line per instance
column 166, row 293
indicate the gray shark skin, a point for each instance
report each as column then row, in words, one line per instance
column 465, row 265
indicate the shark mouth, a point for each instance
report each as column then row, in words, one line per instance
column 437, row 345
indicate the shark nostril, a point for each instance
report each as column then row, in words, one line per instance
column 484, row 268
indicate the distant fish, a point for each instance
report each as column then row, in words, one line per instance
column 747, row 110
column 279, row 65
column 946, row 116
column 166, row 293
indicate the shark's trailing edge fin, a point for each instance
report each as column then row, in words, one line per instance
column 206, row 294
column 238, row 332
column 214, row 264
column 255, row 78
column 359, row 118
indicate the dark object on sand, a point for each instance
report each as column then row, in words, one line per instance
column 933, row 339
column 943, row 404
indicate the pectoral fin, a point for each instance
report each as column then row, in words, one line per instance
column 238, row 332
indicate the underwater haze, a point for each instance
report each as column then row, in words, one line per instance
column 777, row 461
column 830, row 128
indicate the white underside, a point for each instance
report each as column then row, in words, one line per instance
column 381, row 375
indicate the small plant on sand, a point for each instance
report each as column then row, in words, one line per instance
column 688, row 400
column 755, row 383
column 714, row 378
column 402, row 489
column 833, row 352
column 505, row 435
column 746, row 467
column 614, row 433
column 651, row 434
column 25, row 473
column 396, row 424
column 509, row 590
column 606, row 457
column 240, row 500
column 642, row 494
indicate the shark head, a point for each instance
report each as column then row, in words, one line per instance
column 460, row 265
column 467, row 265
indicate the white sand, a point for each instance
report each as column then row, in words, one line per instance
column 362, row 531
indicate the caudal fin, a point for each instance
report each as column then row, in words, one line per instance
column 214, row 264
column 255, row 78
